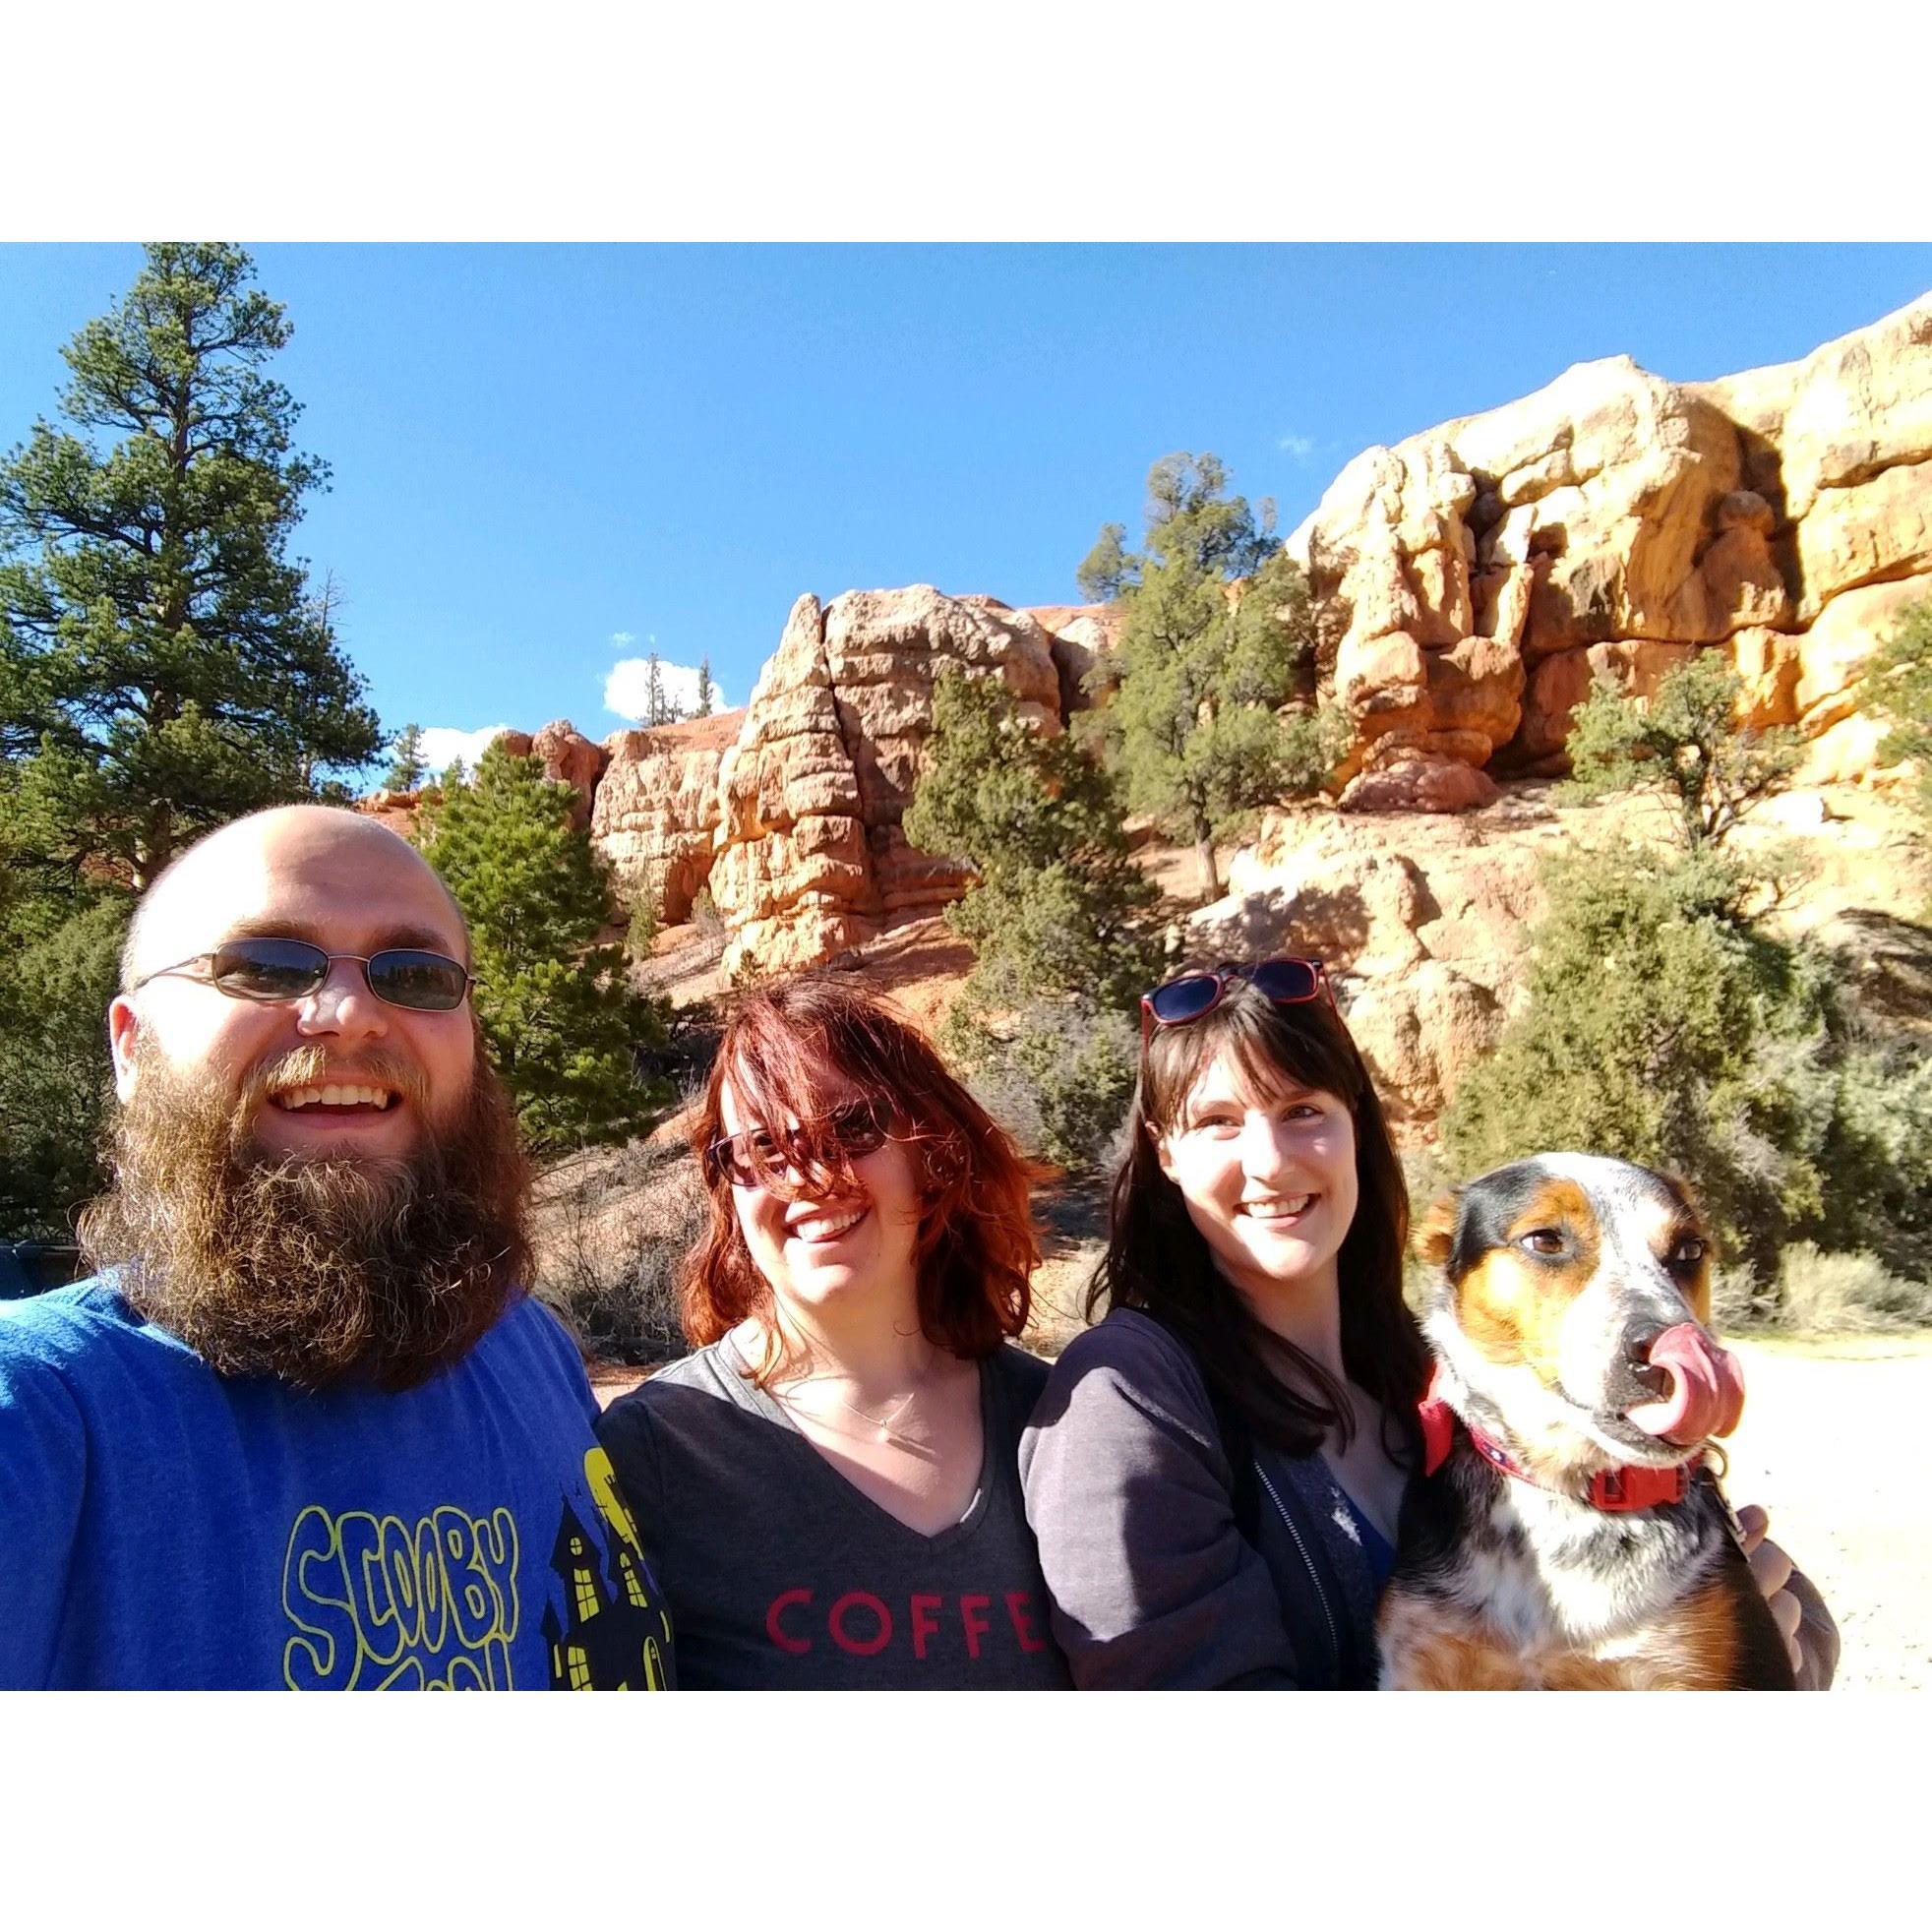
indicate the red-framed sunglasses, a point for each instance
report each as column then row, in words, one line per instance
column 755, row 1155
column 1288, row 982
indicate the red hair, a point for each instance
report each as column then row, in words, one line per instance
column 977, row 1246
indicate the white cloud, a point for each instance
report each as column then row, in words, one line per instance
column 627, row 689
column 1300, row 448
column 442, row 742
column 622, row 639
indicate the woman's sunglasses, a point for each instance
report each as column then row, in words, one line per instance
column 750, row 1157
column 291, row 969
column 1287, row 982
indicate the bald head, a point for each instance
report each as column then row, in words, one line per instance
column 293, row 870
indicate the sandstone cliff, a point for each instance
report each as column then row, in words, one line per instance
column 1474, row 578
column 656, row 808
column 809, row 859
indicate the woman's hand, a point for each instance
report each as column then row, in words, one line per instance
column 1772, row 1570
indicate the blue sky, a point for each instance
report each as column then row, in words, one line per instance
column 538, row 452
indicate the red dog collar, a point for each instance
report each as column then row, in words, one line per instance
column 1615, row 1490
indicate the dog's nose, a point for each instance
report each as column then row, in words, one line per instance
column 1637, row 1367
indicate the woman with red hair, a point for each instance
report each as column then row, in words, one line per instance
column 828, row 1488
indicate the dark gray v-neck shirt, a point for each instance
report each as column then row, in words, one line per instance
column 782, row 1576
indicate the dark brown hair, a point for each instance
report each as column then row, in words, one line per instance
column 977, row 1246
column 1158, row 1261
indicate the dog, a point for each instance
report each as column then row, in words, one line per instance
column 1567, row 1530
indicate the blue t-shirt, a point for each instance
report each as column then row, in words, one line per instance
column 164, row 1526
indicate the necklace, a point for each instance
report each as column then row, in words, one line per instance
column 881, row 1424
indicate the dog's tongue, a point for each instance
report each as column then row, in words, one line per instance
column 1707, row 1388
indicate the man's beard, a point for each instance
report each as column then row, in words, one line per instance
column 317, row 1271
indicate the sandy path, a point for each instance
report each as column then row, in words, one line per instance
column 1831, row 1444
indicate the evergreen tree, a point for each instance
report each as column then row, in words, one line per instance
column 162, row 667
column 1684, row 741
column 1059, row 918
column 60, row 958
column 1898, row 686
column 660, row 707
column 702, row 709
column 563, row 1025
column 1217, row 625
column 406, row 767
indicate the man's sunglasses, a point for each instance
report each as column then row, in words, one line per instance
column 291, row 969
column 750, row 1157
column 1287, row 982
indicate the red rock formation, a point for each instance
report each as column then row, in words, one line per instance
column 656, row 808
column 1477, row 576
column 809, row 857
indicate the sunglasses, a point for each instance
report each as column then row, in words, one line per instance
column 750, row 1157
column 270, row 970
column 1287, row 982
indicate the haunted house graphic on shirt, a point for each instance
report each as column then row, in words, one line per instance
column 611, row 1635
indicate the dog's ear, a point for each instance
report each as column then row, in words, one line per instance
column 1436, row 1233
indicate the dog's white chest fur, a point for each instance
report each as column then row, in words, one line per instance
column 1555, row 1574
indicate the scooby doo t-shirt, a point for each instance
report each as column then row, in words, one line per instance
column 162, row 1526
column 782, row 1576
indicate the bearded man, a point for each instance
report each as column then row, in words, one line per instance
column 304, row 1426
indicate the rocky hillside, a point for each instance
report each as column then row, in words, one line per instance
column 1475, row 577
column 1469, row 584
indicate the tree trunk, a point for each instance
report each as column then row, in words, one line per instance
column 1204, row 855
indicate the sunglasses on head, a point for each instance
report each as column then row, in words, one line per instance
column 268, row 970
column 754, row 1155
column 1288, row 982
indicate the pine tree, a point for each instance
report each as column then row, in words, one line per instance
column 406, row 767
column 1898, row 686
column 702, row 709
column 565, row 1027
column 1060, row 918
column 1684, row 741
column 162, row 666
column 1217, row 625
column 660, row 707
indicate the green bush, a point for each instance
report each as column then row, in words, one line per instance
column 1822, row 1291
column 1663, row 1029
column 1059, row 1076
column 641, row 933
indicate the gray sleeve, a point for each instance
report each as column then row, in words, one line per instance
column 1151, row 1584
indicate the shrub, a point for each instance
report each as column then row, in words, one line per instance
column 1059, row 1076
column 612, row 1231
column 642, row 934
column 1823, row 1293
column 1662, row 1029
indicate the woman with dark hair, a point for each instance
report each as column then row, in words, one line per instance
column 828, row 1488
column 1216, row 1470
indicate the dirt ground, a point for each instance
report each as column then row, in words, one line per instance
column 1830, row 1445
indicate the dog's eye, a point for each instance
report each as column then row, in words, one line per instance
column 1541, row 1240
column 1689, row 1252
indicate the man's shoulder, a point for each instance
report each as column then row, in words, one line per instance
column 61, row 1327
column 528, row 1332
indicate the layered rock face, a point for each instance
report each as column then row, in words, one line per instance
column 1422, row 921
column 1476, row 577
column 810, row 857
column 657, row 809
